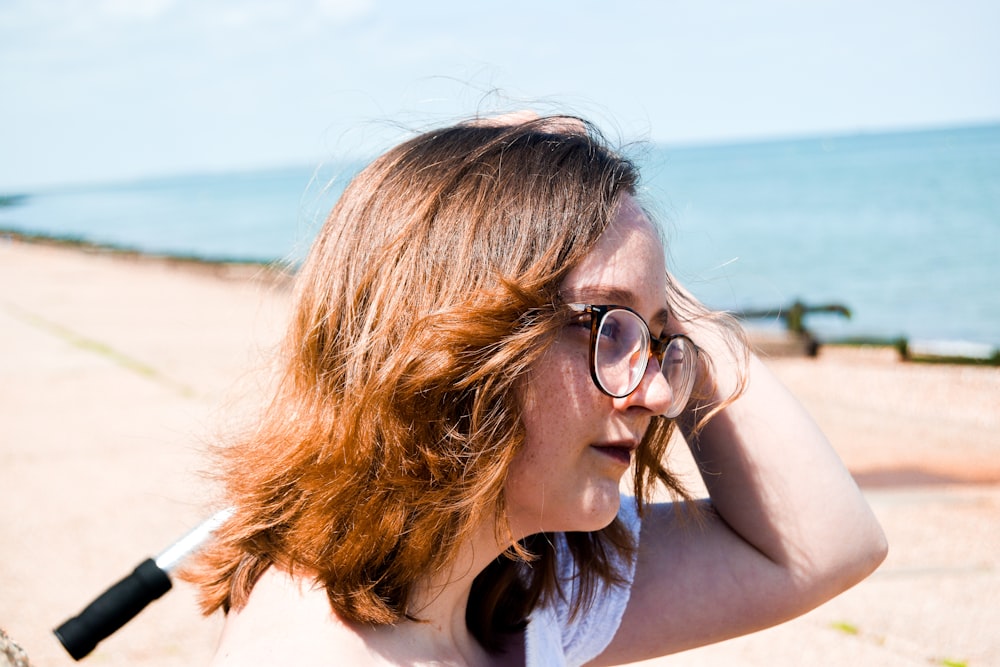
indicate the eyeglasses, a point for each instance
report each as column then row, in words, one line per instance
column 620, row 348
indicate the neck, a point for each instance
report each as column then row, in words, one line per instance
column 439, row 604
column 301, row 609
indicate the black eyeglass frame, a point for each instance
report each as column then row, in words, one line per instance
column 655, row 346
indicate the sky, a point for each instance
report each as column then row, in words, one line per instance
column 108, row 90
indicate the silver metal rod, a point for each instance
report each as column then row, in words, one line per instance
column 173, row 555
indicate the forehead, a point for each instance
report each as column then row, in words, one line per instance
column 627, row 261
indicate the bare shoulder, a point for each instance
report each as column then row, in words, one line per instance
column 289, row 621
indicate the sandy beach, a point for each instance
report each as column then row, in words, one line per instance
column 118, row 371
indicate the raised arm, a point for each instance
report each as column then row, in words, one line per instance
column 787, row 527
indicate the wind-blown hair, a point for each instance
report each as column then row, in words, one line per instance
column 430, row 291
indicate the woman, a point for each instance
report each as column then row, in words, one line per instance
column 485, row 339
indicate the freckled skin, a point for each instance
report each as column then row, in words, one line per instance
column 560, row 481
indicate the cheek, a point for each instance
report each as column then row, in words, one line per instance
column 552, row 483
column 559, row 407
column 557, row 396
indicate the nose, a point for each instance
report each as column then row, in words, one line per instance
column 653, row 393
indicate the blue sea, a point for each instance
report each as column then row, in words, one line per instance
column 901, row 228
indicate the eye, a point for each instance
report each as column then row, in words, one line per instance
column 674, row 356
column 611, row 330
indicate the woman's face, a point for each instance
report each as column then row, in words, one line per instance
column 579, row 440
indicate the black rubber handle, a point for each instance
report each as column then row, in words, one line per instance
column 113, row 609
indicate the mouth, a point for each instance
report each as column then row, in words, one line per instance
column 619, row 451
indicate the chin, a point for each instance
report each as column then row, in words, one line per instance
column 595, row 509
column 599, row 509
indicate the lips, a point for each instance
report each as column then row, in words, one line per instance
column 619, row 451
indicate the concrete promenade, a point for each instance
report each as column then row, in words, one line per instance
column 116, row 372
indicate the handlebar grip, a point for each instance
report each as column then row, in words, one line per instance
column 113, row 609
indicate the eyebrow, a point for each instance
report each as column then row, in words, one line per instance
column 614, row 296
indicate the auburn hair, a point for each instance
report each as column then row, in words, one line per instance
column 430, row 290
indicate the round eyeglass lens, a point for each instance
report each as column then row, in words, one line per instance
column 621, row 351
column 621, row 355
column 679, row 366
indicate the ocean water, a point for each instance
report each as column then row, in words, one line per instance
column 267, row 215
column 901, row 228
